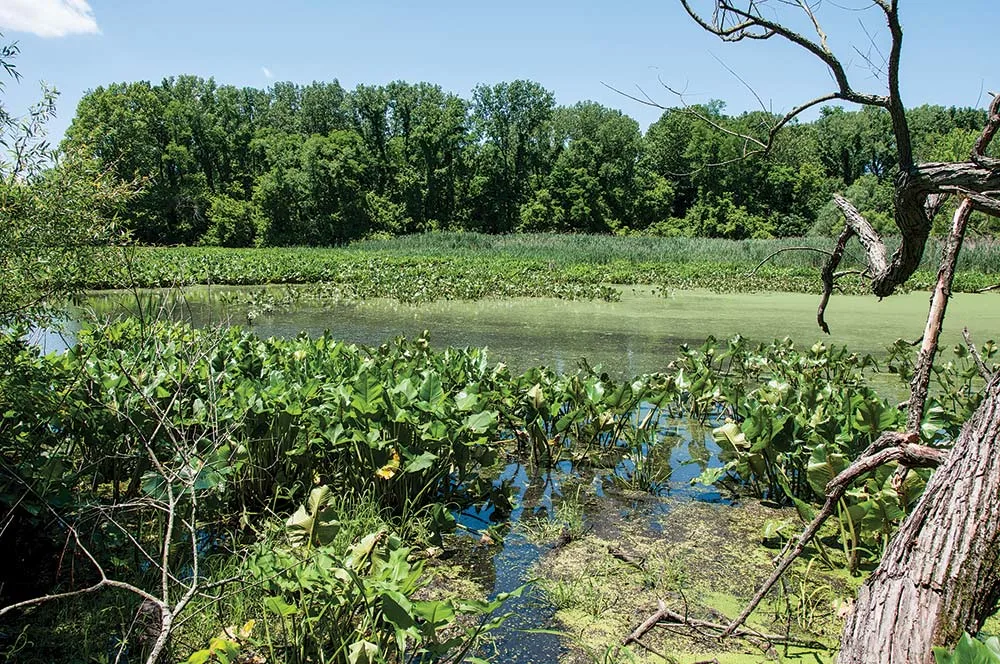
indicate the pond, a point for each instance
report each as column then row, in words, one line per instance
column 639, row 334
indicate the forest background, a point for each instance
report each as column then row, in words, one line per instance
column 320, row 165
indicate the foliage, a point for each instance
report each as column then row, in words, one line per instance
column 353, row 441
column 359, row 607
column 956, row 381
column 57, row 212
column 970, row 651
column 324, row 165
column 446, row 266
column 398, row 423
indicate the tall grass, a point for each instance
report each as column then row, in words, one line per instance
column 979, row 255
column 460, row 265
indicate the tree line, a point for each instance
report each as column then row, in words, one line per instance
column 319, row 165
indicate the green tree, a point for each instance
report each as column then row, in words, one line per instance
column 315, row 191
column 58, row 211
column 512, row 122
column 598, row 154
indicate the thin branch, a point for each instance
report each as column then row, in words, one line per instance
column 978, row 155
column 935, row 317
column 828, row 276
column 889, row 447
column 871, row 40
column 665, row 615
column 987, row 289
column 739, row 78
column 984, row 371
column 783, row 249
column 768, row 29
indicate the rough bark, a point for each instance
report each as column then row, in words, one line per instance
column 941, row 573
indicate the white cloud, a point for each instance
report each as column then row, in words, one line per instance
column 267, row 72
column 48, row 18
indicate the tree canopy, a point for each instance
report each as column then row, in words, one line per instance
column 318, row 164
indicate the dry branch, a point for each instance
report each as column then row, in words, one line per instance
column 782, row 250
column 984, row 371
column 666, row 616
column 889, row 447
column 829, row 276
column 935, row 317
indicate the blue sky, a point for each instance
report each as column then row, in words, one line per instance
column 569, row 47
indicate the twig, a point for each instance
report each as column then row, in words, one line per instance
column 647, row 624
column 783, row 249
column 988, row 289
column 984, row 371
column 889, row 447
column 663, row 614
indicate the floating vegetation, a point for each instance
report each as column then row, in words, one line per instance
column 429, row 268
column 292, row 453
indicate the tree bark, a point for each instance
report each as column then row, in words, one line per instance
column 941, row 573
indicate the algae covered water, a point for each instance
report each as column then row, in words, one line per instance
column 639, row 334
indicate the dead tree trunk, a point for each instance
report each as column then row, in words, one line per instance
column 940, row 575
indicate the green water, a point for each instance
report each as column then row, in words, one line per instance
column 639, row 334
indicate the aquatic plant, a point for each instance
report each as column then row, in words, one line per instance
column 360, row 606
column 422, row 269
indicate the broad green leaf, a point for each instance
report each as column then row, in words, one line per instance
column 279, row 606
column 465, row 401
column 397, row 609
column 730, row 434
column 430, row 391
column 315, row 522
column 367, row 392
column 481, row 422
column 362, row 652
column 419, row 463
column 595, row 392
column 200, row 657
column 823, row 466
column 968, row 651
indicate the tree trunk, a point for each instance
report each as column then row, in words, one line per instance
column 941, row 573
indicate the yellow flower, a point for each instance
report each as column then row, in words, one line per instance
column 388, row 471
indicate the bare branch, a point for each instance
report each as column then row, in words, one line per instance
column 897, row 112
column 984, row 371
column 889, row 447
column 935, row 317
column 782, row 250
column 751, row 20
column 663, row 615
column 828, row 276
column 989, row 131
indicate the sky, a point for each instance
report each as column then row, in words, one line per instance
column 575, row 49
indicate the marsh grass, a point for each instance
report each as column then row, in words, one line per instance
column 472, row 266
column 568, row 522
column 979, row 254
